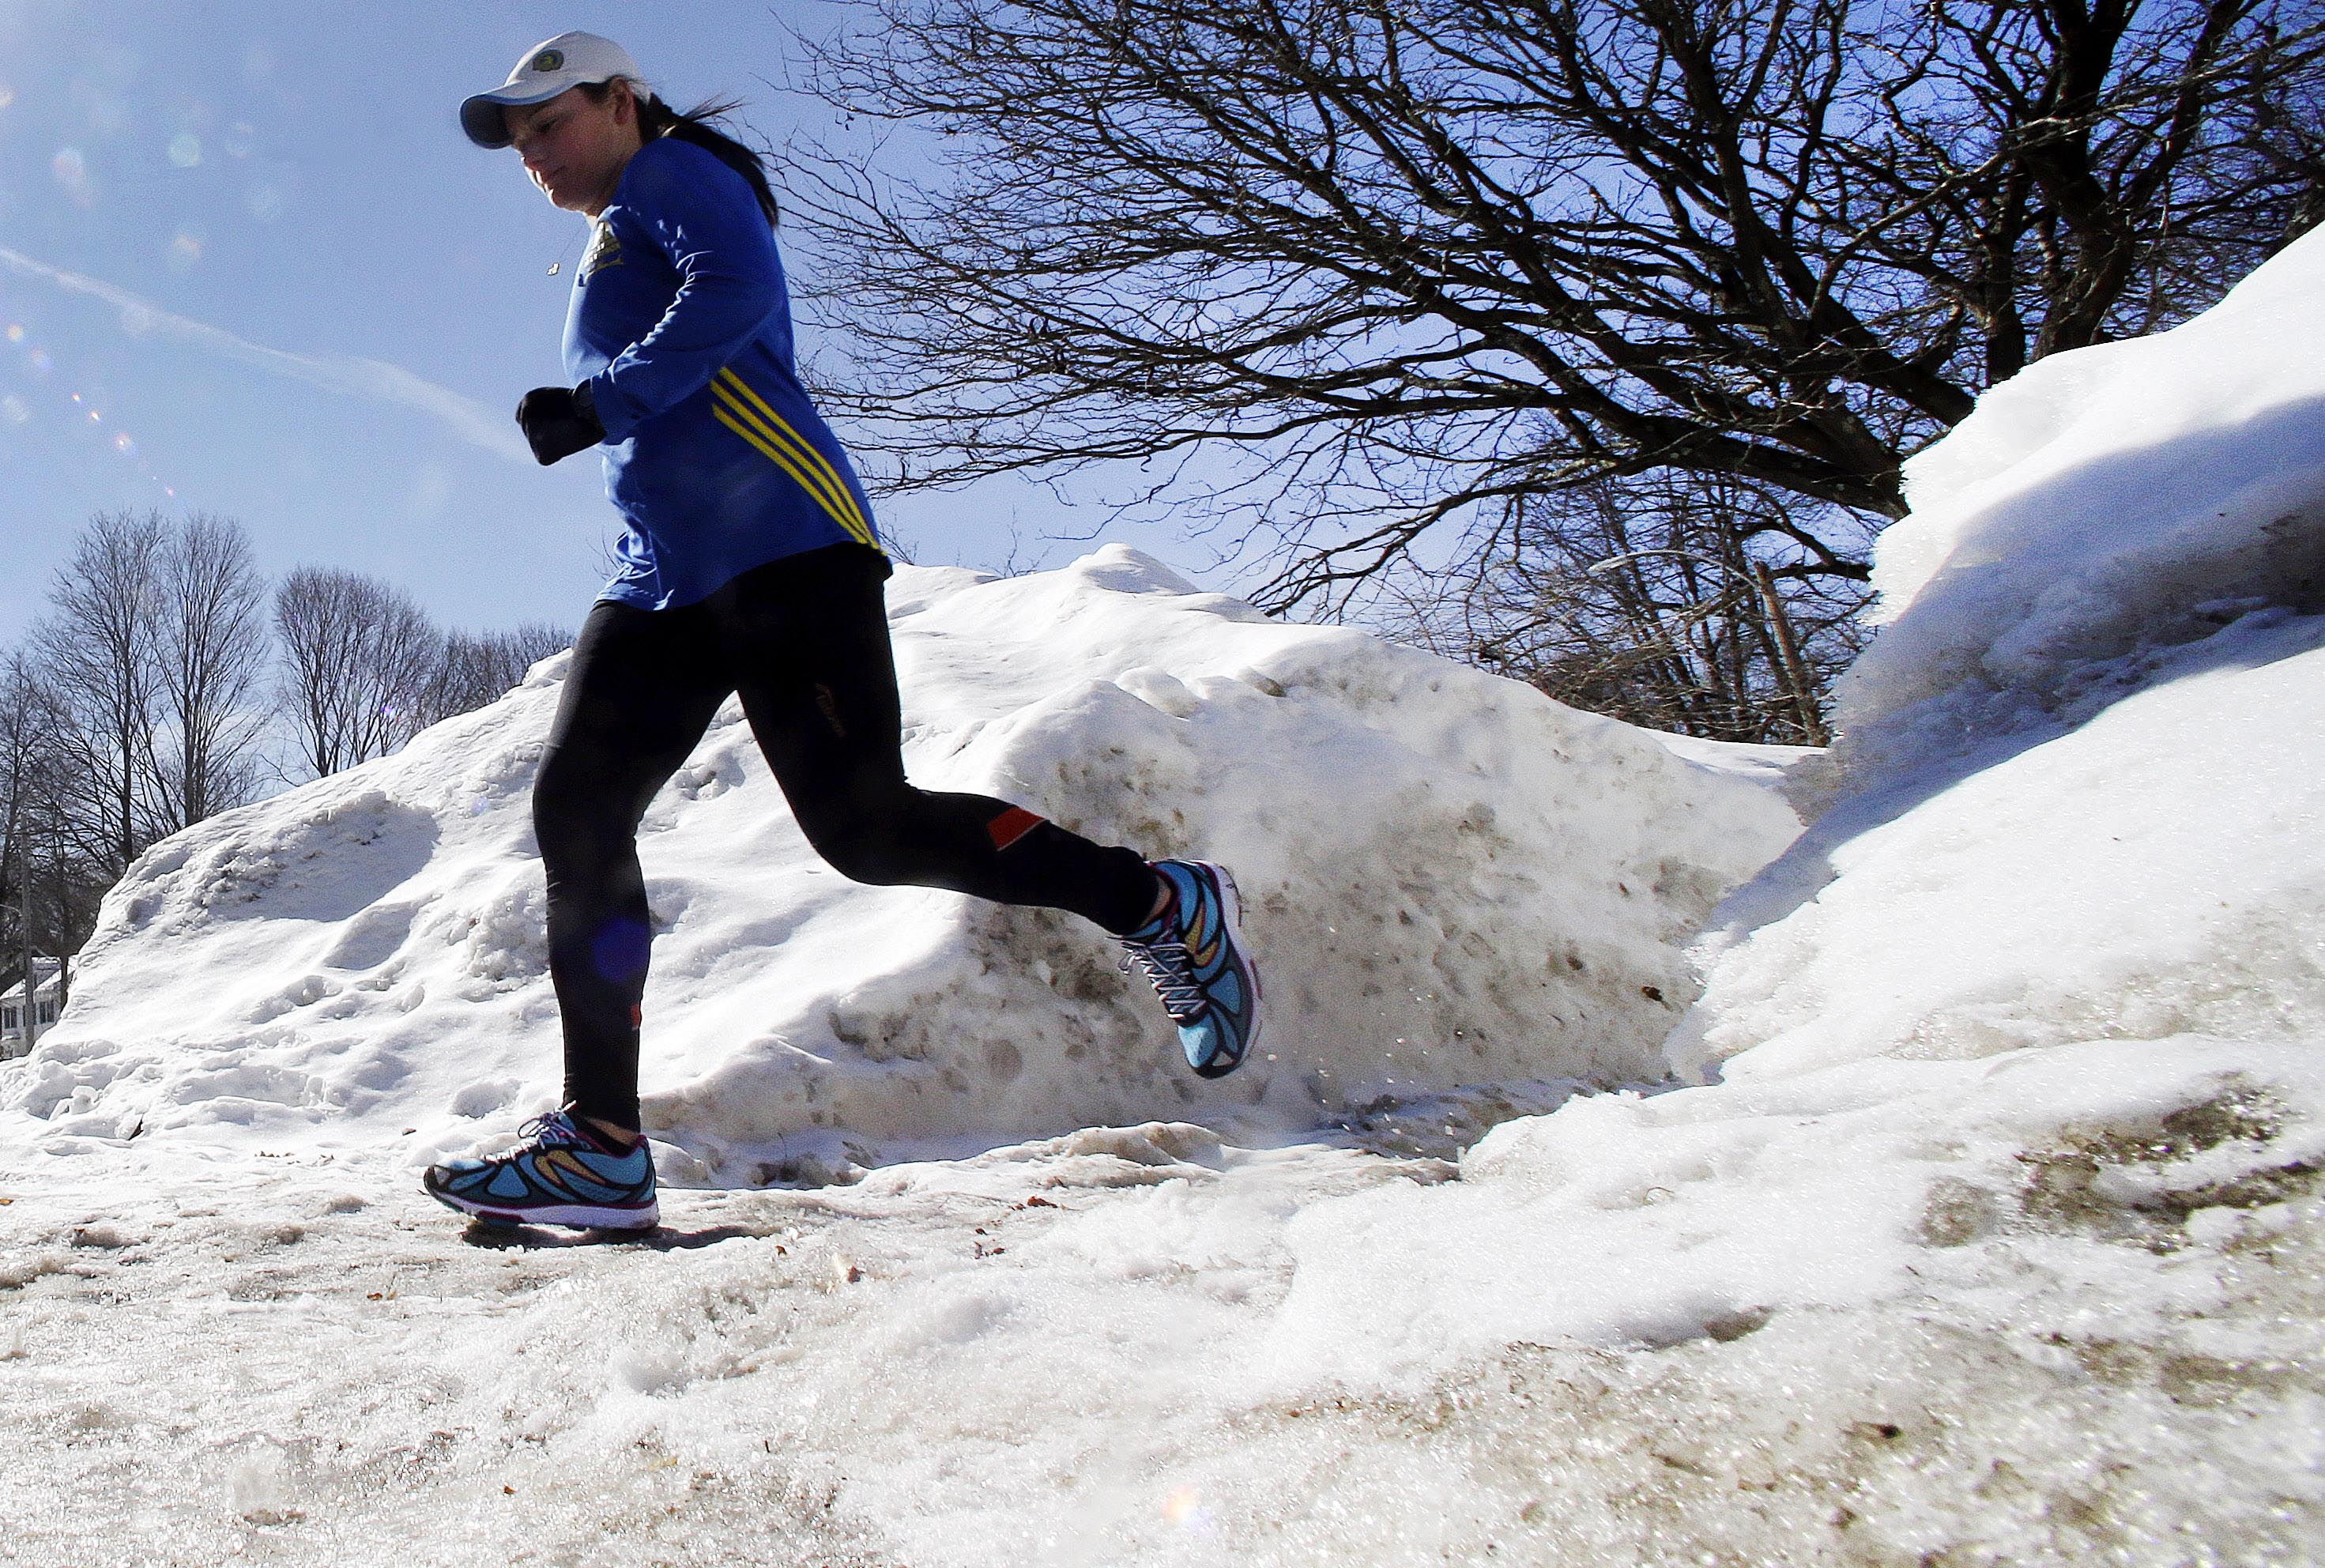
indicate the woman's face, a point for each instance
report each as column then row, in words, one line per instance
column 574, row 149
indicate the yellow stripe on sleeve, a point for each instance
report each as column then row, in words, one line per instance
column 812, row 477
column 847, row 520
column 773, row 426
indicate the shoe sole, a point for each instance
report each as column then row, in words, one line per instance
column 575, row 1216
column 1231, row 913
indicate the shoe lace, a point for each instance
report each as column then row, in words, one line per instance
column 549, row 1129
column 1170, row 971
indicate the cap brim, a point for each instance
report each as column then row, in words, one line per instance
column 480, row 116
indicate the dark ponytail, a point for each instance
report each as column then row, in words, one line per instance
column 699, row 126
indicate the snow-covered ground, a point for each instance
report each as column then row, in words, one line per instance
column 1983, row 1222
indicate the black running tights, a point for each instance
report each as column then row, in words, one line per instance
column 804, row 641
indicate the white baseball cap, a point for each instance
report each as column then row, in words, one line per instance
column 569, row 60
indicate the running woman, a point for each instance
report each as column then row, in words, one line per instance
column 750, row 564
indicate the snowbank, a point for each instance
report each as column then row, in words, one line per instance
column 2155, row 871
column 1452, row 880
column 2082, row 764
column 2132, row 495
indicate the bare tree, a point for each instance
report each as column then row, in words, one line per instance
column 26, row 778
column 1430, row 259
column 49, row 889
column 130, row 715
column 211, row 654
column 1651, row 599
column 479, row 668
column 358, row 658
column 97, row 652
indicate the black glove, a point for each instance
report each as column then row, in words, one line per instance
column 559, row 421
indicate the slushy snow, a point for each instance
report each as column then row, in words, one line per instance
column 1970, row 1214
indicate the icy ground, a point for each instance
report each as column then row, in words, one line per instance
column 1981, row 1220
column 1937, row 1312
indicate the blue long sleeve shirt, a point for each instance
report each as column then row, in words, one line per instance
column 681, row 326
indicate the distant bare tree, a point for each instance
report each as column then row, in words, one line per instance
column 29, row 735
column 97, row 651
column 480, row 668
column 1653, row 599
column 129, row 716
column 50, row 885
column 211, row 654
column 357, row 661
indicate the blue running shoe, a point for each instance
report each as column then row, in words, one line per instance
column 1193, row 953
column 561, row 1174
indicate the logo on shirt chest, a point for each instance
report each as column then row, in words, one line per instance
column 605, row 250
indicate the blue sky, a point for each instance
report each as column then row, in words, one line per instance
column 248, row 265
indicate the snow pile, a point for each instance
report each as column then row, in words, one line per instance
column 2155, row 871
column 2083, row 762
column 1451, row 880
column 2129, row 496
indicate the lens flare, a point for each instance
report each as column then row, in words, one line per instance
column 7, row 94
column 109, row 112
column 185, row 150
column 124, row 445
column 15, row 332
column 185, row 250
column 1184, row 1508
column 14, row 409
column 71, row 171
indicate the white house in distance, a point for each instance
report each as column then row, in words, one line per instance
column 12, row 1042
